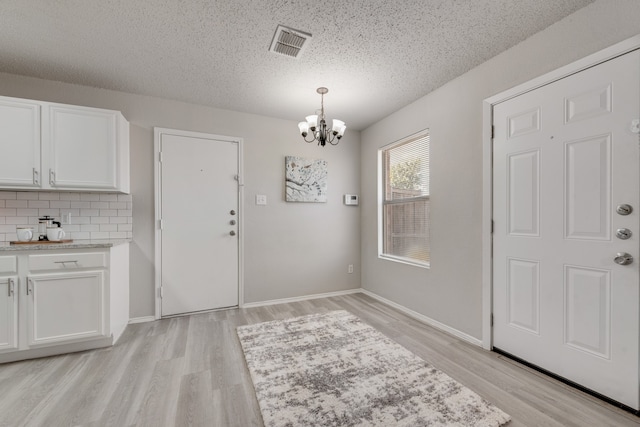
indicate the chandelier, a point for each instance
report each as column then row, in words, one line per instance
column 319, row 131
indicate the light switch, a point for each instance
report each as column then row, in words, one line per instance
column 261, row 199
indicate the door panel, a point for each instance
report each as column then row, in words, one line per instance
column 523, row 290
column 564, row 157
column 199, row 192
column 588, row 188
column 524, row 193
column 587, row 313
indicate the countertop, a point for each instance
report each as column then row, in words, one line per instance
column 76, row 244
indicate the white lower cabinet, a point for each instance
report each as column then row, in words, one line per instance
column 8, row 313
column 65, row 306
column 8, row 303
column 54, row 302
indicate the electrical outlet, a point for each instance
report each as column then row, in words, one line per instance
column 350, row 269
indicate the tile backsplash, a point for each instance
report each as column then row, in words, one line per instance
column 93, row 215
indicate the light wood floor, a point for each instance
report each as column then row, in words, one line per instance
column 190, row 371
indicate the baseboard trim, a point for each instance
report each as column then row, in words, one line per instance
column 142, row 319
column 420, row 317
column 54, row 350
column 301, row 298
column 424, row 319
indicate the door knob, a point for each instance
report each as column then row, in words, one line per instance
column 623, row 258
column 232, row 233
column 624, row 209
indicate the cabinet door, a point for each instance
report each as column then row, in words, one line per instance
column 82, row 148
column 8, row 313
column 65, row 307
column 19, row 144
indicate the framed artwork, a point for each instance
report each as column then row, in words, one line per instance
column 305, row 180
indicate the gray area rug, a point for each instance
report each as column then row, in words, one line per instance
column 332, row 369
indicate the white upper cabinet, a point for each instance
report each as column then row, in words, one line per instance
column 82, row 148
column 62, row 147
column 19, row 143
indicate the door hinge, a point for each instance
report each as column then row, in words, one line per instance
column 160, row 156
column 160, row 224
column 491, row 319
column 493, row 131
column 161, row 291
column 493, row 226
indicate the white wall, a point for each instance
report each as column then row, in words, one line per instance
column 290, row 249
column 451, row 290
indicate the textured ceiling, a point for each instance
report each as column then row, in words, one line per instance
column 375, row 56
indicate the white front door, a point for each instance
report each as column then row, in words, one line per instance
column 564, row 159
column 199, row 217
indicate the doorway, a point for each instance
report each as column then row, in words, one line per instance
column 198, row 221
column 566, row 180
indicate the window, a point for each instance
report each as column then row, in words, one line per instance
column 405, row 201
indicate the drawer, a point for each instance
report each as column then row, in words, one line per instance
column 8, row 265
column 70, row 261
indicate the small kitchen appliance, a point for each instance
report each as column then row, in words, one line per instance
column 44, row 223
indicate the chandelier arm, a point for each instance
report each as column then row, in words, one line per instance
column 309, row 140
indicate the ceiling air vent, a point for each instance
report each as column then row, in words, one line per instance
column 289, row 42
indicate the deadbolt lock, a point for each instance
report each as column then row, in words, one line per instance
column 624, row 209
column 623, row 233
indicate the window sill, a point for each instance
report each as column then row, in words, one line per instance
column 407, row 261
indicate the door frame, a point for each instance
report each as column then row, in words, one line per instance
column 604, row 55
column 157, row 134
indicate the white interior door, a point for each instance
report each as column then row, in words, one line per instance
column 564, row 158
column 199, row 217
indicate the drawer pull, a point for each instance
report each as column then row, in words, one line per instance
column 64, row 263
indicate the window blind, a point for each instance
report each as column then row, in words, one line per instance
column 406, row 204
